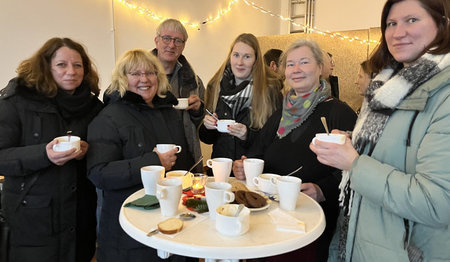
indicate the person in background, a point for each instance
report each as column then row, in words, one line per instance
column 327, row 74
column 363, row 79
column 283, row 141
column 170, row 40
column 241, row 89
column 123, row 137
column 272, row 59
column 395, row 187
column 48, row 202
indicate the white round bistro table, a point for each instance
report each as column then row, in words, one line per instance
column 203, row 241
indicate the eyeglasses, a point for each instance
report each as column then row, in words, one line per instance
column 168, row 39
column 140, row 74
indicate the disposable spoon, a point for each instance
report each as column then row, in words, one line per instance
column 324, row 123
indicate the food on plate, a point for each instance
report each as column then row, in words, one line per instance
column 249, row 199
column 170, row 226
column 237, row 185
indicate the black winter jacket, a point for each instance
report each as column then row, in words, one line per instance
column 122, row 138
column 55, row 219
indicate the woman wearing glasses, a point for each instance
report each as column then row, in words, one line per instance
column 242, row 89
column 123, row 136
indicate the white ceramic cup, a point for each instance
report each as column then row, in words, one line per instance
column 229, row 225
column 221, row 168
column 222, row 125
column 150, row 175
column 217, row 194
column 64, row 144
column 168, row 192
column 253, row 167
column 186, row 180
column 163, row 148
column 263, row 182
column 333, row 138
column 182, row 103
column 288, row 191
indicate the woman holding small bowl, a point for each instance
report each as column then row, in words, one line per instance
column 124, row 137
column 49, row 203
column 242, row 90
column 395, row 185
column 283, row 141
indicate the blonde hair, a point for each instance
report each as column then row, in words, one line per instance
column 312, row 45
column 131, row 60
column 266, row 85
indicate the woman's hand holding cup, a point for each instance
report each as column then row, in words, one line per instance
column 59, row 158
column 340, row 156
column 167, row 159
column 238, row 168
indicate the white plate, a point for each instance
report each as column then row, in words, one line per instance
column 254, row 209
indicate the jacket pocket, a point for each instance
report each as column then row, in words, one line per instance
column 31, row 222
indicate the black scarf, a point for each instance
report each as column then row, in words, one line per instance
column 75, row 105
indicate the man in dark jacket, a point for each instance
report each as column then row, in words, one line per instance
column 170, row 42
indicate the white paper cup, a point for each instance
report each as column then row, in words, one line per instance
column 182, row 103
column 331, row 138
column 229, row 225
column 163, row 148
column 253, row 167
column 263, row 183
column 288, row 191
column 179, row 174
column 168, row 192
column 64, row 144
column 222, row 125
column 150, row 175
column 221, row 168
column 217, row 194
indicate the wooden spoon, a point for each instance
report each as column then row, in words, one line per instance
column 324, row 123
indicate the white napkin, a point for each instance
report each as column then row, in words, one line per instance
column 286, row 222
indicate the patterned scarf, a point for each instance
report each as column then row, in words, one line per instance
column 236, row 97
column 296, row 109
column 386, row 91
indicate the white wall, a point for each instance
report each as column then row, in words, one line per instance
column 107, row 28
column 26, row 25
column 341, row 15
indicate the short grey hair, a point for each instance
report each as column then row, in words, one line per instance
column 173, row 25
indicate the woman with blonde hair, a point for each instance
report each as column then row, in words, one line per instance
column 283, row 141
column 123, row 137
column 243, row 89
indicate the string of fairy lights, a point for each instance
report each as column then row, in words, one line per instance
column 224, row 11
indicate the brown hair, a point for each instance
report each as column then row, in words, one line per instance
column 266, row 84
column 438, row 10
column 36, row 70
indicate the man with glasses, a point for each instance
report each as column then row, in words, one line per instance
column 171, row 37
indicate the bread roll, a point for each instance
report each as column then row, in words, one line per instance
column 170, row 226
column 238, row 185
